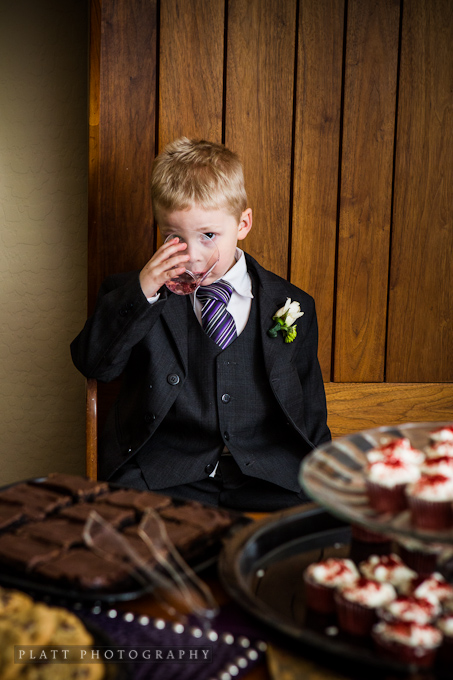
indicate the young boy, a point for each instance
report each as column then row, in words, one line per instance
column 223, row 420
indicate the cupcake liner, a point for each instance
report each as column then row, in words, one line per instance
column 318, row 597
column 386, row 499
column 404, row 653
column 434, row 515
column 354, row 618
column 424, row 563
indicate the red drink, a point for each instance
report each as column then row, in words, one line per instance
column 185, row 283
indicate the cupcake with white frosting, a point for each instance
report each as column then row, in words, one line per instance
column 386, row 482
column 387, row 569
column 321, row 579
column 356, row 605
column 401, row 449
column 408, row 643
column 430, row 501
column 410, row 609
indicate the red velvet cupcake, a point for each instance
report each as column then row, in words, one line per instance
column 408, row 643
column 410, row 609
column 356, row 605
column 430, row 500
column 321, row 579
column 387, row 569
column 386, row 482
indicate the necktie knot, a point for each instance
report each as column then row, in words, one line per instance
column 221, row 291
column 217, row 322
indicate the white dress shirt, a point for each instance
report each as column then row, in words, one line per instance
column 241, row 298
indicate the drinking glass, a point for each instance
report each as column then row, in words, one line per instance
column 204, row 255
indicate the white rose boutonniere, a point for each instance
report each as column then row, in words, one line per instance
column 285, row 319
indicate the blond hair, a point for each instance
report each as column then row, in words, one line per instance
column 191, row 171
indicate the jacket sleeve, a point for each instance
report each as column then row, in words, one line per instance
column 315, row 410
column 122, row 317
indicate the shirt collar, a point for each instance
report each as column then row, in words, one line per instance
column 238, row 276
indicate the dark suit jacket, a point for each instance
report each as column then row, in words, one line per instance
column 147, row 344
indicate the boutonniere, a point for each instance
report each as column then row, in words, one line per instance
column 285, row 319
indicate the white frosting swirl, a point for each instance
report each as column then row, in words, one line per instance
column 392, row 472
column 333, row 572
column 432, row 488
column 389, row 568
column 410, row 634
column 369, row 593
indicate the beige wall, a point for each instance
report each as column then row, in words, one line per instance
column 43, row 224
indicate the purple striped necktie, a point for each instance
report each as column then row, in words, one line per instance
column 217, row 323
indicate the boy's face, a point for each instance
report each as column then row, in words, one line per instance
column 217, row 224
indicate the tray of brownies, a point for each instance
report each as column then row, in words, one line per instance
column 366, row 578
column 43, row 547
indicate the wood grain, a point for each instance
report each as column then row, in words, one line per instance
column 420, row 329
column 93, row 148
column 366, row 189
column 352, row 407
column 122, row 237
column 91, row 429
column 191, row 70
column 258, row 118
column 316, row 160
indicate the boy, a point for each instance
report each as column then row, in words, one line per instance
column 227, row 420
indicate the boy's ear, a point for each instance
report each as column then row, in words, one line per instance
column 245, row 224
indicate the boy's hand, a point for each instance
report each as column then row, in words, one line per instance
column 167, row 262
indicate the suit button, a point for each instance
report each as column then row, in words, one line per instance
column 123, row 312
column 149, row 417
column 226, row 436
column 209, row 468
column 226, row 398
column 173, row 379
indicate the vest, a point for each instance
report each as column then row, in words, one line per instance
column 226, row 399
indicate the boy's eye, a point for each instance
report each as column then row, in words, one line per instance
column 210, row 234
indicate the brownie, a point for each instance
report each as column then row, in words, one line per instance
column 139, row 500
column 26, row 553
column 81, row 488
column 57, row 530
column 10, row 513
column 36, row 502
column 197, row 515
column 85, row 569
column 115, row 516
column 137, row 544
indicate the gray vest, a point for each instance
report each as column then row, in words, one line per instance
column 226, row 399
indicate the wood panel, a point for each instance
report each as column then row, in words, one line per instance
column 258, row 117
column 360, row 406
column 191, row 70
column 121, row 234
column 421, row 285
column 366, row 189
column 316, row 160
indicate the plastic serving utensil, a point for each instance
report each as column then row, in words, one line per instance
column 175, row 585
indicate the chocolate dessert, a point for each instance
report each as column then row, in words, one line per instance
column 36, row 502
column 197, row 515
column 116, row 516
column 85, row 569
column 47, row 546
column 62, row 532
column 10, row 513
column 139, row 500
column 25, row 554
column 79, row 487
